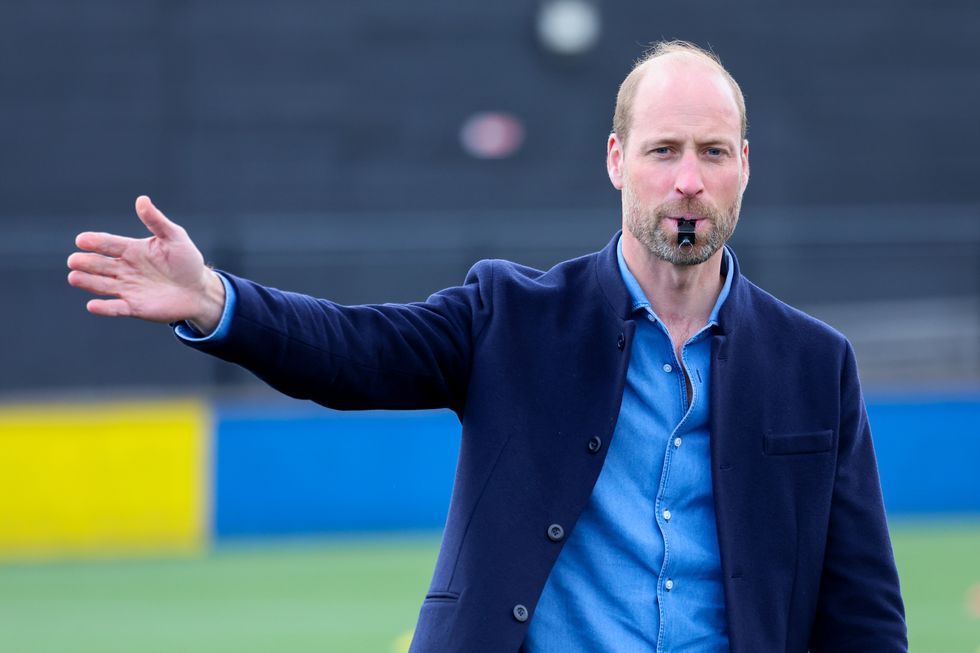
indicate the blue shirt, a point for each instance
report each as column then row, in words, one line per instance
column 641, row 570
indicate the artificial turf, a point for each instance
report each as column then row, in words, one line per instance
column 359, row 595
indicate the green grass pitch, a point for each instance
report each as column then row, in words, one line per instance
column 359, row 595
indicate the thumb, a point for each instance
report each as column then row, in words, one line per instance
column 155, row 221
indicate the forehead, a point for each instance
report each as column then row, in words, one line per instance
column 681, row 92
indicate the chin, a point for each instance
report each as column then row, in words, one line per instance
column 696, row 256
column 664, row 246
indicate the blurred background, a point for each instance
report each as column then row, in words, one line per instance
column 155, row 499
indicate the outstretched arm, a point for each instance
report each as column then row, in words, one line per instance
column 161, row 278
column 380, row 356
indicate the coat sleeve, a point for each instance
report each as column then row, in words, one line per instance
column 859, row 608
column 384, row 356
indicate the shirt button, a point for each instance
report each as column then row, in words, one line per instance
column 677, row 442
column 668, row 368
column 669, row 584
column 595, row 443
column 666, row 515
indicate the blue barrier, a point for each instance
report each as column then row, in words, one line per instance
column 928, row 453
column 296, row 469
column 293, row 471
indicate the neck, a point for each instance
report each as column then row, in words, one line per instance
column 682, row 295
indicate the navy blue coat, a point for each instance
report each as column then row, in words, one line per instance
column 534, row 365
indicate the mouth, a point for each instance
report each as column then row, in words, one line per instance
column 690, row 219
column 686, row 231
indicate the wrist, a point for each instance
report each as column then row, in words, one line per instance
column 212, row 303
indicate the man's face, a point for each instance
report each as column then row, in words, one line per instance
column 685, row 159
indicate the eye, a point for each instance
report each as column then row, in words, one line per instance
column 714, row 151
column 660, row 151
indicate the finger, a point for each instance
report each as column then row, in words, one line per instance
column 93, row 283
column 103, row 243
column 155, row 221
column 94, row 263
column 109, row 307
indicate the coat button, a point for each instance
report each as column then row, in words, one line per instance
column 621, row 342
column 595, row 443
column 520, row 613
column 556, row 533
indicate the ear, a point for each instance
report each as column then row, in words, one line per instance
column 614, row 161
column 745, row 164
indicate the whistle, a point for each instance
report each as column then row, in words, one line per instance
column 685, row 233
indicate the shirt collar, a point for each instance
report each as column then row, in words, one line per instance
column 639, row 300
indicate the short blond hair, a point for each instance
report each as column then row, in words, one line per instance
column 623, row 116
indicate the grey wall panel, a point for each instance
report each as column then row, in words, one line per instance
column 315, row 146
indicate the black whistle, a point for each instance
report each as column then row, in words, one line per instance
column 685, row 232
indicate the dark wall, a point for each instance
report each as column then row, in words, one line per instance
column 315, row 106
column 315, row 146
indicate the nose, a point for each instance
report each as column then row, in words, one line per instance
column 688, row 181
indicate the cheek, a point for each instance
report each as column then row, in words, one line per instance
column 650, row 185
column 729, row 183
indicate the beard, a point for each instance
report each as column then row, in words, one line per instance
column 647, row 226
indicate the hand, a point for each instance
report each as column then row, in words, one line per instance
column 161, row 278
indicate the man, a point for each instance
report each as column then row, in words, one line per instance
column 738, row 505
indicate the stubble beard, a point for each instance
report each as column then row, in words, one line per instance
column 647, row 226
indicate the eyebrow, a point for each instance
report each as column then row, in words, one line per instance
column 710, row 141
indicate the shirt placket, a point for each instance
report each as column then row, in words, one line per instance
column 663, row 515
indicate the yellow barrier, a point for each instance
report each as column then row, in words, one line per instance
column 103, row 479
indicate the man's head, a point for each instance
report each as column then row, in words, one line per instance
column 678, row 151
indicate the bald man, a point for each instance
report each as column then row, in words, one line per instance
column 656, row 456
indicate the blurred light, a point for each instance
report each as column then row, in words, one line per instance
column 568, row 27
column 973, row 601
column 492, row 135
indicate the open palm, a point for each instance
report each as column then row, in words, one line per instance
column 161, row 278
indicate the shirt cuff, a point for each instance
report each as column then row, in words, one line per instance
column 186, row 332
